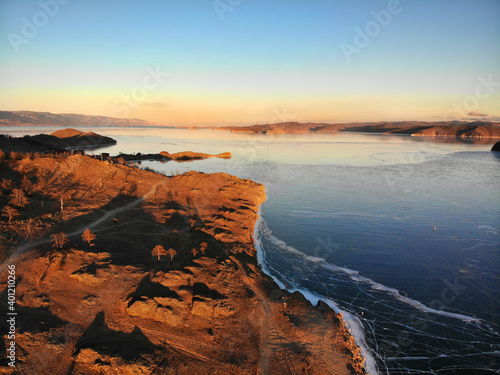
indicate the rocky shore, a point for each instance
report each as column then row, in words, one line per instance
column 166, row 282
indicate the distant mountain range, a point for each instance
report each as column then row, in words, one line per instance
column 29, row 118
column 461, row 129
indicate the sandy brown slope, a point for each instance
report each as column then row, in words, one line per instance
column 114, row 308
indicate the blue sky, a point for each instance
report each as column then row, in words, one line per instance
column 258, row 61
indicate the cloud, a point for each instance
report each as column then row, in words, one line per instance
column 487, row 118
column 471, row 116
column 474, row 113
column 483, row 116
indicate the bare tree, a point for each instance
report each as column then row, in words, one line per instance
column 88, row 236
column 172, row 254
column 158, row 251
column 59, row 240
column 10, row 212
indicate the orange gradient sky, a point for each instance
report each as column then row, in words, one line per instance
column 190, row 64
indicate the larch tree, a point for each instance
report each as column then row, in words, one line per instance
column 159, row 251
column 18, row 198
column 88, row 236
column 172, row 254
column 29, row 225
column 26, row 184
column 6, row 184
column 203, row 247
column 10, row 212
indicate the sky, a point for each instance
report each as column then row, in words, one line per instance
column 243, row 62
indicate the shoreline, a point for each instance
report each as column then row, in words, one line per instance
column 237, row 315
column 465, row 129
column 352, row 324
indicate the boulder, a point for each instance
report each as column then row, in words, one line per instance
column 496, row 147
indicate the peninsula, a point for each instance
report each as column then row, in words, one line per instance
column 124, row 269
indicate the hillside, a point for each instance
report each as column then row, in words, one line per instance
column 120, row 303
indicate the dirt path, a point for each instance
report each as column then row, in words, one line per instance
column 78, row 231
column 265, row 334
